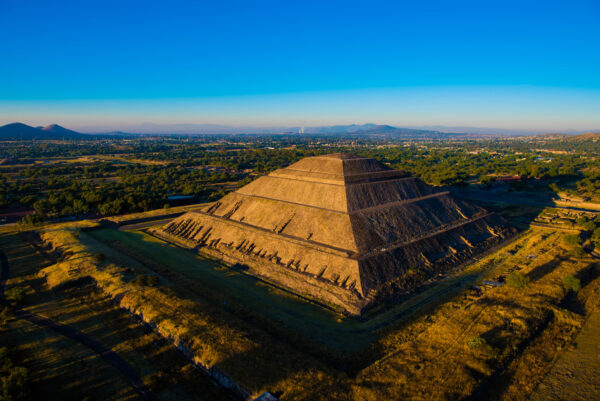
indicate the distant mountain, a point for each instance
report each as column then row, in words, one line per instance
column 337, row 129
column 23, row 132
column 375, row 130
column 62, row 131
column 213, row 129
column 395, row 132
column 18, row 131
column 588, row 135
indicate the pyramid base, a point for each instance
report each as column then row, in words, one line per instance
column 303, row 285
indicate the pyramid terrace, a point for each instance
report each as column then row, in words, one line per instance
column 343, row 230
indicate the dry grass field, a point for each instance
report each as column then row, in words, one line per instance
column 61, row 368
column 469, row 341
column 565, row 381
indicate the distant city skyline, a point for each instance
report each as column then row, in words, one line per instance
column 511, row 65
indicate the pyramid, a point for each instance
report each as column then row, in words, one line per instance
column 344, row 230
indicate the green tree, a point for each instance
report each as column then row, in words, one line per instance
column 42, row 206
column 13, row 379
column 572, row 239
column 16, row 294
column 571, row 283
column 578, row 252
column 589, row 226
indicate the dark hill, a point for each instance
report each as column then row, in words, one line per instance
column 23, row 132
column 586, row 136
column 17, row 131
column 62, row 131
column 374, row 130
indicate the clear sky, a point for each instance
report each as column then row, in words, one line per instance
column 509, row 64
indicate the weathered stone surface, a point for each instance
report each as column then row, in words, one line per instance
column 341, row 229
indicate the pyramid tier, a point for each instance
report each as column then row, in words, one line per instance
column 383, row 220
column 340, row 229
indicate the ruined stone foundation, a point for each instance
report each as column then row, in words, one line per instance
column 344, row 230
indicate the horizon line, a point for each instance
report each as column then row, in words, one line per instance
column 163, row 129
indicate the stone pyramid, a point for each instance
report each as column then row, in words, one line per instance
column 340, row 229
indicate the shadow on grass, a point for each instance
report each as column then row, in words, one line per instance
column 572, row 300
column 346, row 344
column 589, row 274
column 264, row 376
column 66, row 370
column 519, row 208
column 540, row 271
column 490, row 387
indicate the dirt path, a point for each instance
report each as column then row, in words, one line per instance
column 105, row 353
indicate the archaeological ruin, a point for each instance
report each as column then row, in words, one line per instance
column 343, row 230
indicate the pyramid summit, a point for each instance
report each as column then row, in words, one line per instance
column 345, row 230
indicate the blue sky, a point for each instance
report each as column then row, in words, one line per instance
column 514, row 64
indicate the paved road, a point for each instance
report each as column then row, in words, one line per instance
column 105, row 353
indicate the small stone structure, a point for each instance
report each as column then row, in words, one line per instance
column 340, row 229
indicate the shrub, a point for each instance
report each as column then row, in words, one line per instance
column 517, row 280
column 147, row 280
column 31, row 219
column 480, row 344
column 151, row 281
column 477, row 342
column 571, row 283
column 13, row 379
column 578, row 252
column 4, row 315
column 589, row 226
column 581, row 220
column 139, row 280
column 16, row 294
column 487, row 180
column 572, row 239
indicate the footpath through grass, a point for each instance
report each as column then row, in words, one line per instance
column 331, row 329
